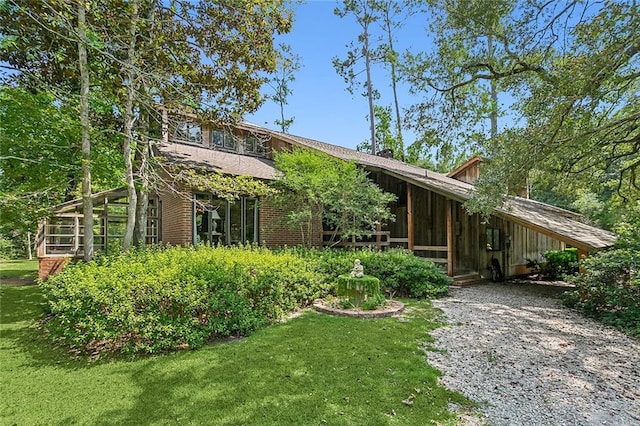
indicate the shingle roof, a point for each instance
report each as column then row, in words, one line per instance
column 556, row 222
column 221, row 161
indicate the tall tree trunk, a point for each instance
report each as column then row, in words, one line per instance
column 394, row 82
column 494, row 94
column 87, row 201
column 129, row 119
column 142, row 161
column 367, row 56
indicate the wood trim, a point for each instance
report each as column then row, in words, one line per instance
column 398, row 240
column 441, row 260
column 449, row 208
column 431, row 248
column 410, row 235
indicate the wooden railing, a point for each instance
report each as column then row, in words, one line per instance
column 438, row 249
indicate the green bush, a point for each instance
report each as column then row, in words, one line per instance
column 609, row 289
column 161, row 299
column 400, row 272
column 153, row 300
column 557, row 265
column 357, row 290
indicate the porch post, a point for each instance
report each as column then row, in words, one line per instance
column 409, row 217
column 76, row 234
column 449, row 207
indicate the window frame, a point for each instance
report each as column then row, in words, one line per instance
column 186, row 135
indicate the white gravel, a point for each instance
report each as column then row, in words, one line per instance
column 528, row 360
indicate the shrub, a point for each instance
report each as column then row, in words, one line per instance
column 557, row 264
column 609, row 289
column 400, row 272
column 357, row 290
column 155, row 300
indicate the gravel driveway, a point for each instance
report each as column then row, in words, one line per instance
column 527, row 360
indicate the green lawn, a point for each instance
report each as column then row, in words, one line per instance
column 20, row 269
column 315, row 369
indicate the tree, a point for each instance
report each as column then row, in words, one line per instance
column 362, row 10
column 207, row 57
column 287, row 64
column 318, row 188
column 87, row 201
column 451, row 118
column 393, row 15
column 571, row 68
column 385, row 137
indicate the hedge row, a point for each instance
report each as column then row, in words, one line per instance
column 155, row 300
column 400, row 273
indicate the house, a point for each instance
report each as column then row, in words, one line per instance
column 430, row 218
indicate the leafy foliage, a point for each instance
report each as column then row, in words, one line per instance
column 154, row 300
column 558, row 263
column 317, row 187
column 40, row 158
column 400, row 272
column 359, row 289
column 567, row 83
column 224, row 186
column 287, row 64
column 609, row 288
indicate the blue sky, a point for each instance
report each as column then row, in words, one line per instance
column 323, row 109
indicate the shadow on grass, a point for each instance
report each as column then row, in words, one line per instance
column 21, row 308
column 316, row 371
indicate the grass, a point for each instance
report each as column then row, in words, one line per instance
column 19, row 269
column 314, row 369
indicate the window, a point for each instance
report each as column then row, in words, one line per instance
column 493, row 239
column 188, row 132
column 225, row 222
column 250, row 143
column 254, row 145
column 222, row 139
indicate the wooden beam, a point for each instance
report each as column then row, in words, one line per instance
column 409, row 217
column 449, row 207
column 431, row 248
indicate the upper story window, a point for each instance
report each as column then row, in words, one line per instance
column 222, row 139
column 188, row 132
column 253, row 145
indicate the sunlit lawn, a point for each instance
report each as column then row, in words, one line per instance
column 315, row 369
column 20, row 269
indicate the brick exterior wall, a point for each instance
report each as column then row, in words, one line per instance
column 51, row 265
column 274, row 232
column 176, row 219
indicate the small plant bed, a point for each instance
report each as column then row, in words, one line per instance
column 335, row 307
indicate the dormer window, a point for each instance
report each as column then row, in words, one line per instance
column 253, row 145
column 222, row 139
column 250, row 143
column 188, row 132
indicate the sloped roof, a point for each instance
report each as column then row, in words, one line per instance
column 544, row 218
column 224, row 162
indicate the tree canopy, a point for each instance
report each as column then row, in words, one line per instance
column 317, row 188
column 568, row 72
